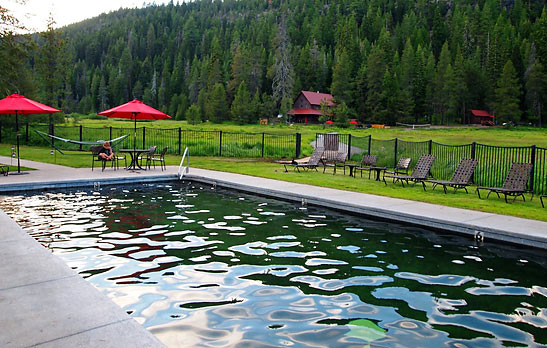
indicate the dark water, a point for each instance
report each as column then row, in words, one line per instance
column 205, row 267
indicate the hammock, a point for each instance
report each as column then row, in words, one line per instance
column 98, row 142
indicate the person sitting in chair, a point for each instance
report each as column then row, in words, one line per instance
column 106, row 152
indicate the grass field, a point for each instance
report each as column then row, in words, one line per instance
column 267, row 169
column 519, row 136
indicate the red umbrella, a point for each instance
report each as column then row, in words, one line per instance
column 353, row 122
column 18, row 104
column 135, row 109
column 329, row 122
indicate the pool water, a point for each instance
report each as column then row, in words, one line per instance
column 200, row 266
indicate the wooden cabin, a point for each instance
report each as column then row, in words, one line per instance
column 482, row 117
column 307, row 107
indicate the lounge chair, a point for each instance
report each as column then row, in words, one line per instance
column 95, row 150
column 462, row 177
column 339, row 161
column 312, row 163
column 419, row 174
column 159, row 158
column 401, row 168
column 367, row 162
column 515, row 183
column 4, row 169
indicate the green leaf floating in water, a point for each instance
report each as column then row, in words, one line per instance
column 365, row 330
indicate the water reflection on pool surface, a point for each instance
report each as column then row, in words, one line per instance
column 199, row 266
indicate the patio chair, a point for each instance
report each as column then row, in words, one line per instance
column 515, row 183
column 401, row 168
column 159, row 158
column 367, row 162
column 462, row 177
column 312, row 163
column 95, row 150
column 119, row 157
column 339, row 161
column 4, row 169
column 541, row 199
column 147, row 156
column 419, row 173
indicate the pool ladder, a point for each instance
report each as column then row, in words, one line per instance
column 183, row 170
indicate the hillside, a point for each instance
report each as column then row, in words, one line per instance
column 386, row 61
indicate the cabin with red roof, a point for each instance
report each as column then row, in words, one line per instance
column 482, row 117
column 307, row 107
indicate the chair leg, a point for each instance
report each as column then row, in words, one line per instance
column 541, row 199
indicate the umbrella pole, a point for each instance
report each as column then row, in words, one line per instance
column 17, row 136
column 135, row 128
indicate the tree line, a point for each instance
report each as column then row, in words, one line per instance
column 384, row 61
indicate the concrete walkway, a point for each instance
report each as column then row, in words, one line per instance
column 43, row 302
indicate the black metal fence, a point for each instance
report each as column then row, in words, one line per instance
column 493, row 161
column 200, row 143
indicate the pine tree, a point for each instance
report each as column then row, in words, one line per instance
column 51, row 65
column 507, row 94
column 241, row 109
column 283, row 79
column 536, row 91
column 342, row 81
column 193, row 114
column 375, row 77
column 215, row 107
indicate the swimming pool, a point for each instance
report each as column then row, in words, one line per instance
column 200, row 266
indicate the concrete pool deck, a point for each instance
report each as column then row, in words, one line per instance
column 45, row 303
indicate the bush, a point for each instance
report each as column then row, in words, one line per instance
column 193, row 114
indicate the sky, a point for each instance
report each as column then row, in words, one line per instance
column 34, row 14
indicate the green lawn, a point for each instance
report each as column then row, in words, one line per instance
column 267, row 169
column 520, row 136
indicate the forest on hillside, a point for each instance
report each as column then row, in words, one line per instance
column 384, row 61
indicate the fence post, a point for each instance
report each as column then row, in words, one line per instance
column 396, row 145
column 81, row 138
column 262, row 144
column 26, row 133
column 220, row 144
column 51, row 131
column 430, row 146
column 299, row 144
column 369, row 141
column 473, row 146
column 533, row 161
column 144, row 137
column 349, row 146
column 180, row 140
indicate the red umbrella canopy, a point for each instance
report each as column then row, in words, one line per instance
column 353, row 122
column 18, row 104
column 135, row 109
column 329, row 122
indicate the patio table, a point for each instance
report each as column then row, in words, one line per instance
column 135, row 154
column 378, row 170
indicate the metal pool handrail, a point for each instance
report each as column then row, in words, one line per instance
column 182, row 171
